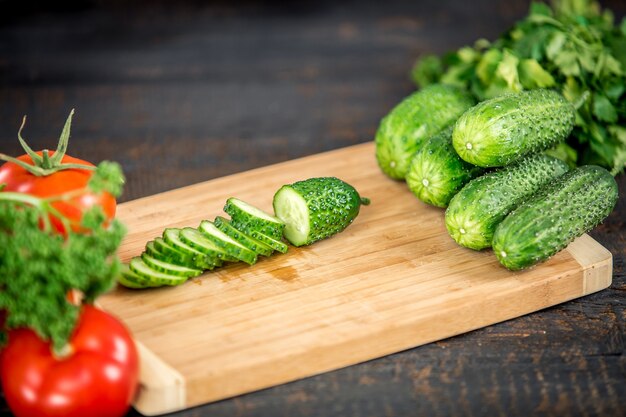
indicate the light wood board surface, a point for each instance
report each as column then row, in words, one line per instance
column 391, row 281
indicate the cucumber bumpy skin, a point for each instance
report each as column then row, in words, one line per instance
column 247, row 241
column 316, row 208
column 254, row 218
column 553, row 217
column 437, row 172
column 501, row 130
column 419, row 116
column 476, row 210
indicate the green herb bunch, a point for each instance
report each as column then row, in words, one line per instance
column 40, row 269
column 573, row 47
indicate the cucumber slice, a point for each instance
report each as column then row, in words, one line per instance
column 171, row 236
column 247, row 241
column 225, row 242
column 168, row 268
column 254, row 218
column 267, row 240
column 163, row 251
column 198, row 241
column 154, row 278
column 129, row 279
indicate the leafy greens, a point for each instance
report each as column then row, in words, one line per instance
column 573, row 47
column 39, row 269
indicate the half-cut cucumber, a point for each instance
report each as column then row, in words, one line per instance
column 316, row 208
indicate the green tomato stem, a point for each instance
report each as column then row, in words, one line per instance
column 33, row 155
column 63, row 140
column 45, row 164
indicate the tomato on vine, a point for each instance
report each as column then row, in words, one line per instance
column 50, row 174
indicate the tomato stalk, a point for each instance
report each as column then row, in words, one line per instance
column 43, row 205
column 46, row 164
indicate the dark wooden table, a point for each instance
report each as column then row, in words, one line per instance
column 185, row 93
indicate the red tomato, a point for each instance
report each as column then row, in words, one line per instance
column 20, row 180
column 97, row 379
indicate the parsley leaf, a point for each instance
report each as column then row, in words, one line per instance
column 573, row 47
column 39, row 268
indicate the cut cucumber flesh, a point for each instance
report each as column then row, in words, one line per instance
column 169, row 268
column 154, row 278
column 172, row 237
column 247, row 241
column 267, row 240
column 294, row 210
column 228, row 244
column 198, row 241
column 129, row 279
column 254, row 218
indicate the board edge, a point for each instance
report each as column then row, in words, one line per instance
column 162, row 389
column 596, row 262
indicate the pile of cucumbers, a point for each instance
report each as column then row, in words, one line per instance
column 306, row 211
column 488, row 165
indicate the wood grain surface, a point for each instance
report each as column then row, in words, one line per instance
column 392, row 281
column 183, row 92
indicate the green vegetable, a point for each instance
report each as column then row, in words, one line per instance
column 504, row 129
column 247, row 241
column 187, row 256
column 437, row 172
column 553, row 217
column 169, row 268
column 38, row 268
column 249, row 230
column 412, row 122
column 474, row 213
column 150, row 277
column 316, row 208
column 253, row 218
column 573, row 47
column 227, row 243
column 129, row 279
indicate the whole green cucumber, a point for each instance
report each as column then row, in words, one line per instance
column 553, row 217
column 437, row 172
column 316, row 208
column 474, row 213
column 415, row 119
column 501, row 130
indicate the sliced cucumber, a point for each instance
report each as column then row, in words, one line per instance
column 247, row 241
column 129, row 279
column 172, row 237
column 254, row 218
column 225, row 242
column 171, row 254
column 198, row 241
column 154, row 278
column 170, row 268
column 261, row 237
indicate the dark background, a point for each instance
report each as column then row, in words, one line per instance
column 182, row 92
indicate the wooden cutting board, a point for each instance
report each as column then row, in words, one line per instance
column 391, row 281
